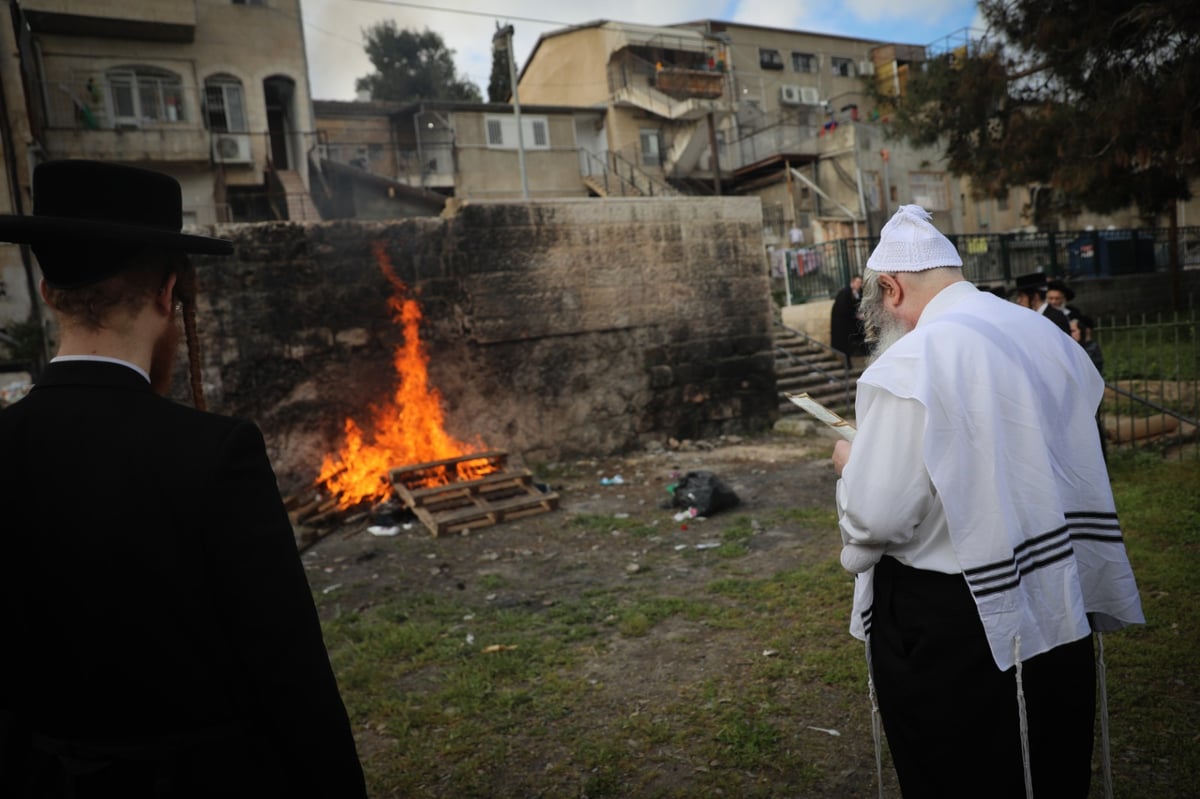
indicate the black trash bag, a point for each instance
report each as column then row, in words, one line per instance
column 705, row 492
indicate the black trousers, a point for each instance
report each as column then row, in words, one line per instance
column 951, row 715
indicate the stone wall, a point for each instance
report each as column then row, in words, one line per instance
column 553, row 328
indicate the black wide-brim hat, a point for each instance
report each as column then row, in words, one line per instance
column 1058, row 285
column 1032, row 281
column 79, row 203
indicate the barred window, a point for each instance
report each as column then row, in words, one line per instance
column 142, row 95
column 225, row 105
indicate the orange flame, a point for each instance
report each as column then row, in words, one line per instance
column 407, row 431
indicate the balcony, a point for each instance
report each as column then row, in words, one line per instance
column 160, row 21
column 160, row 144
column 688, row 83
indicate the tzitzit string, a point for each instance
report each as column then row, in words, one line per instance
column 1102, row 681
column 876, row 732
column 1024, row 719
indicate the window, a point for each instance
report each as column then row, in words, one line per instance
column 225, row 105
column 842, row 66
column 804, row 62
column 649, row 141
column 141, row 95
column 1002, row 202
column 873, row 191
column 501, row 131
column 769, row 59
column 495, row 133
column 928, row 190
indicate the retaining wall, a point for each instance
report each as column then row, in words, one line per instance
column 552, row 328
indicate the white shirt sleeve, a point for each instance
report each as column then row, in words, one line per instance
column 884, row 492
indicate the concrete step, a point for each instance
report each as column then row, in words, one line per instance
column 803, row 366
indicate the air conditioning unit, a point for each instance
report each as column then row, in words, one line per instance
column 809, row 95
column 789, row 94
column 866, row 68
column 232, row 148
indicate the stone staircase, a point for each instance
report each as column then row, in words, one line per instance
column 300, row 206
column 804, row 365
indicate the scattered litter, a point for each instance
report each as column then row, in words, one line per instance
column 633, row 568
column 329, row 588
column 470, row 639
column 615, row 480
column 679, row 547
column 834, row 733
column 708, row 545
column 690, row 513
column 620, row 515
column 487, row 650
column 376, row 529
column 770, row 653
column 705, row 492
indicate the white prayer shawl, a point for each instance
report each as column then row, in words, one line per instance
column 1011, row 447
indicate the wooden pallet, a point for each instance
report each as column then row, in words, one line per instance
column 456, row 505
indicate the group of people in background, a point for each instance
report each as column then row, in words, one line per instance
column 1048, row 297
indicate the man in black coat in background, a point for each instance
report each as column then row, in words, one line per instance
column 160, row 635
column 1031, row 293
column 845, row 328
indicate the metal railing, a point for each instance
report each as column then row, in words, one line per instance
column 845, row 378
column 1151, row 367
column 818, row 271
column 622, row 178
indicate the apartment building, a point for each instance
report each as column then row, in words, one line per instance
column 383, row 158
column 212, row 92
column 719, row 107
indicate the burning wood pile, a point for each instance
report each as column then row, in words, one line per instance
column 448, row 484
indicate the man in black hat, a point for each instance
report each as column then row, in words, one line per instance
column 1058, row 294
column 1031, row 293
column 161, row 638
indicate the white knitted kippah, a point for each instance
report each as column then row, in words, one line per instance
column 910, row 243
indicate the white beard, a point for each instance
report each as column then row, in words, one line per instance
column 891, row 330
column 883, row 329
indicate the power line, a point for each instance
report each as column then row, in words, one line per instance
column 468, row 12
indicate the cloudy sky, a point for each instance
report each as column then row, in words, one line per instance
column 333, row 28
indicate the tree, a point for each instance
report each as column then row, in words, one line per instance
column 1097, row 99
column 412, row 66
column 500, row 84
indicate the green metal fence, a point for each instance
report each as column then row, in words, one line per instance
column 817, row 272
column 1152, row 372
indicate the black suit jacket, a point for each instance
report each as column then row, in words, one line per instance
column 154, row 600
column 1057, row 317
column 845, row 328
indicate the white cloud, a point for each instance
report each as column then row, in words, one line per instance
column 880, row 10
column 333, row 28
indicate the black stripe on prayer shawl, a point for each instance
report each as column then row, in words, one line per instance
column 866, row 621
column 1038, row 564
column 984, row 580
column 1008, row 567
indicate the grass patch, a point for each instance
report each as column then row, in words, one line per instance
column 603, row 524
column 764, row 658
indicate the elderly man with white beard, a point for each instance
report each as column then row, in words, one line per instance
column 976, row 513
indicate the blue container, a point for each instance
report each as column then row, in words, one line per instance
column 1103, row 253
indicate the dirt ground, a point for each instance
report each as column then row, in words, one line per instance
column 538, row 555
column 543, row 558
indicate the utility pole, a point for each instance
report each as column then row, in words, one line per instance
column 504, row 38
